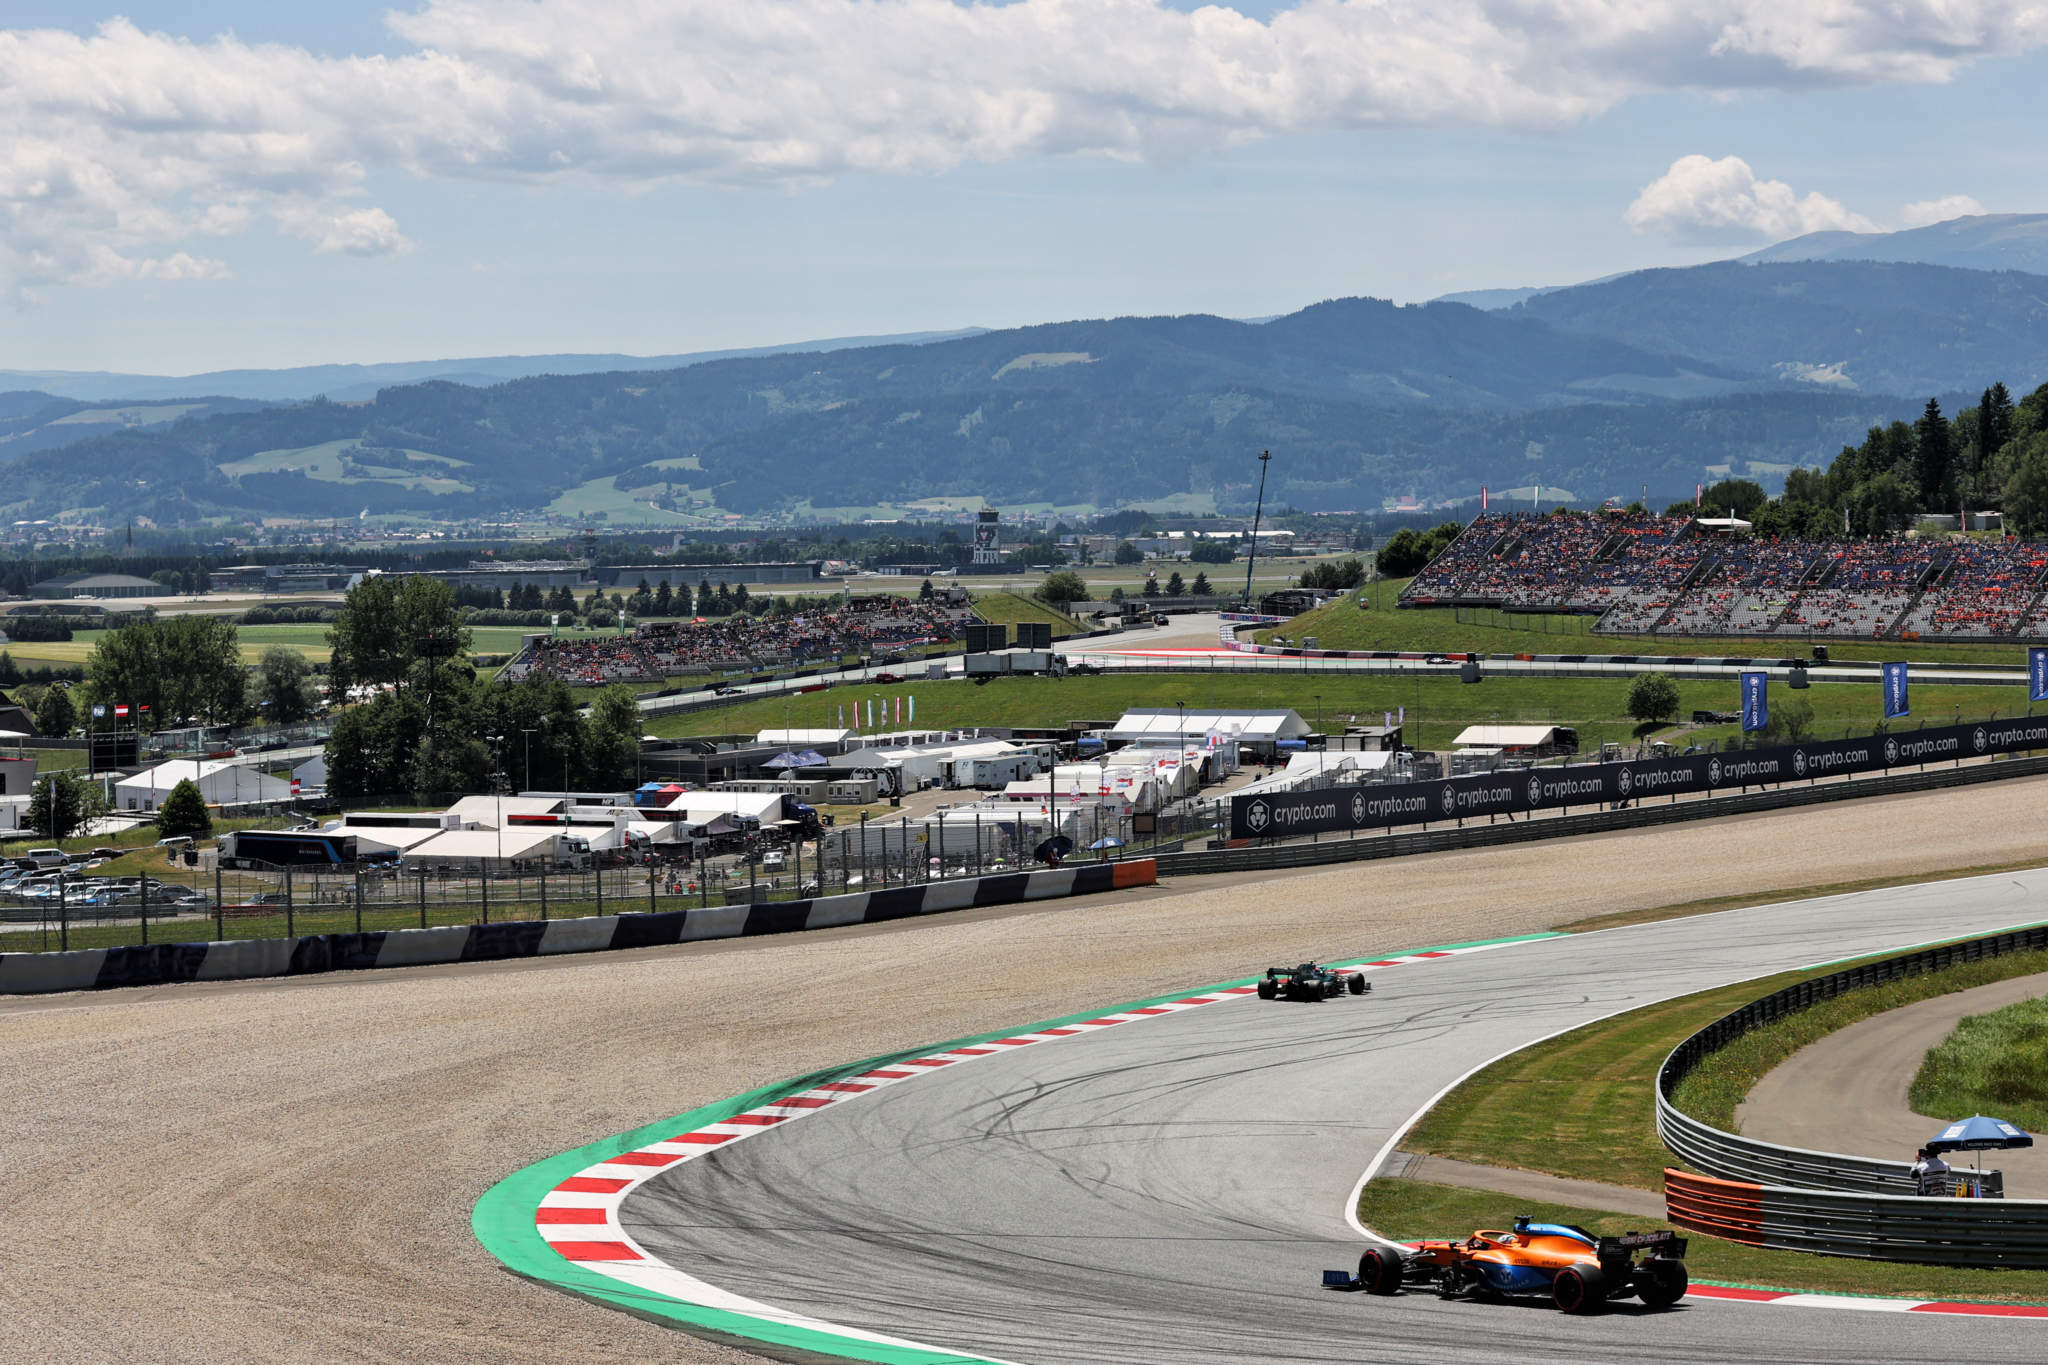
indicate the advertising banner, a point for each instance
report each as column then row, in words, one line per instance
column 2037, row 674
column 1895, row 691
column 1341, row 810
column 1756, row 704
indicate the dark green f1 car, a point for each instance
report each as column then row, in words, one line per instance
column 1310, row 982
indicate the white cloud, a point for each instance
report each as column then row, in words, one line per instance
column 356, row 232
column 128, row 141
column 1703, row 200
column 1926, row 212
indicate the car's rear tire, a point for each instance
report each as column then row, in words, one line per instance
column 1379, row 1271
column 1357, row 984
column 1662, row 1281
column 1266, row 991
column 1579, row 1289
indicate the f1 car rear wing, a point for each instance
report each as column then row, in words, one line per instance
column 1665, row 1243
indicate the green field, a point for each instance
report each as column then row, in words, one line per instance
column 309, row 639
column 1437, row 707
column 1349, row 623
column 1994, row 1063
column 329, row 462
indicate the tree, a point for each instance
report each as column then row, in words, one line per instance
column 1211, row 551
column 1200, row 587
column 1652, row 697
column 2025, row 501
column 184, row 813
column 171, row 669
column 1791, row 721
column 393, row 631
column 284, row 685
column 55, row 714
column 925, row 592
column 63, row 805
column 1734, row 497
column 1175, row 586
column 1127, row 553
column 611, row 739
column 1880, row 504
column 1932, row 455
column 1063, row 587
column 1403, row 556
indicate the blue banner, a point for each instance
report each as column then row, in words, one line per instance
column 1756, row 701
column 1895, row 691
column 2037, row 674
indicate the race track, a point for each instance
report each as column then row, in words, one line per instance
column 1169, row 1189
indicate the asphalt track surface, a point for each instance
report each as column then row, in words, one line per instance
column 1169, row 1190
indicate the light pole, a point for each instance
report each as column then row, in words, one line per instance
column 526, row 770
column 1265, row 458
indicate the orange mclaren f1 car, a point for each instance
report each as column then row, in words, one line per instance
column 1576, row 1270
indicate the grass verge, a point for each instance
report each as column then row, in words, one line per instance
column 1009, row 608
column 1407, row 1210
column 1994, row 1063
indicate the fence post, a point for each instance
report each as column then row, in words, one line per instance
column 600, row 893
column 543, row 894
column 290, row 920
column 219, row 915
column 63, row 917
column 145, row 909
column 650, row 888
column 423, row 898
column 483, row 887
column 359, row 899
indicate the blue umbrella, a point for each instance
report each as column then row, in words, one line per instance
column 1107, row 842
column 1979, row 1134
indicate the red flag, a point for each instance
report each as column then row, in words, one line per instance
column 1699, row 490
column 120, row 709
column 1482, row 497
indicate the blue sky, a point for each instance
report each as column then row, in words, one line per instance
column 579, row 176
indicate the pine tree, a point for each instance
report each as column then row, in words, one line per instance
column 1201, row 587
column 1931, row 454
column 1994, row 421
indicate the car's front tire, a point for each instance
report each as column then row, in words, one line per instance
column 1379, row 1271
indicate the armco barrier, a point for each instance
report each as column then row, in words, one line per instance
column 1827, row 1202
column 1368, row 847
column 159, row 964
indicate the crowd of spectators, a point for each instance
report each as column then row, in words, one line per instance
column 1643, row 573
column 669, row 649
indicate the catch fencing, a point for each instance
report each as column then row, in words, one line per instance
column 1828, row 1202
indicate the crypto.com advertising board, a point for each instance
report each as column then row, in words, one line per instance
column 1338, row 810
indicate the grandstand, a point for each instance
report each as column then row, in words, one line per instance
column 863, row 626
column 1649, row 575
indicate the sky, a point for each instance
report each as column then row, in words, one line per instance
column 227, row 184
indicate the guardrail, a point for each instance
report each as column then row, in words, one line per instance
column 1828, row 1202
column 1979, row 1233
column 1368, row 847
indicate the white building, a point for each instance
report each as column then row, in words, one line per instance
column 221, row 782
column 1259, row 731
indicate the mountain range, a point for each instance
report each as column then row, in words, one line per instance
column 1656, row 377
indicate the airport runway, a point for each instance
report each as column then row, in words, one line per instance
column 1169, row 1189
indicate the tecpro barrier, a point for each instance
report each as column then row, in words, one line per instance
column 1337, row 810
column 160, row 964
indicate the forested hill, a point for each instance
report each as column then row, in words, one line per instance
column 1365, row 399
column 1870, row 326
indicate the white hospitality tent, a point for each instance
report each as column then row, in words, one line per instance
column 1191, row 728
column 221, row 782
column 495, row 848
column 489, row 812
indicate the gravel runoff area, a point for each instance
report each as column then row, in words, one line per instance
column 1847, row 1091
column 284, row 1170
